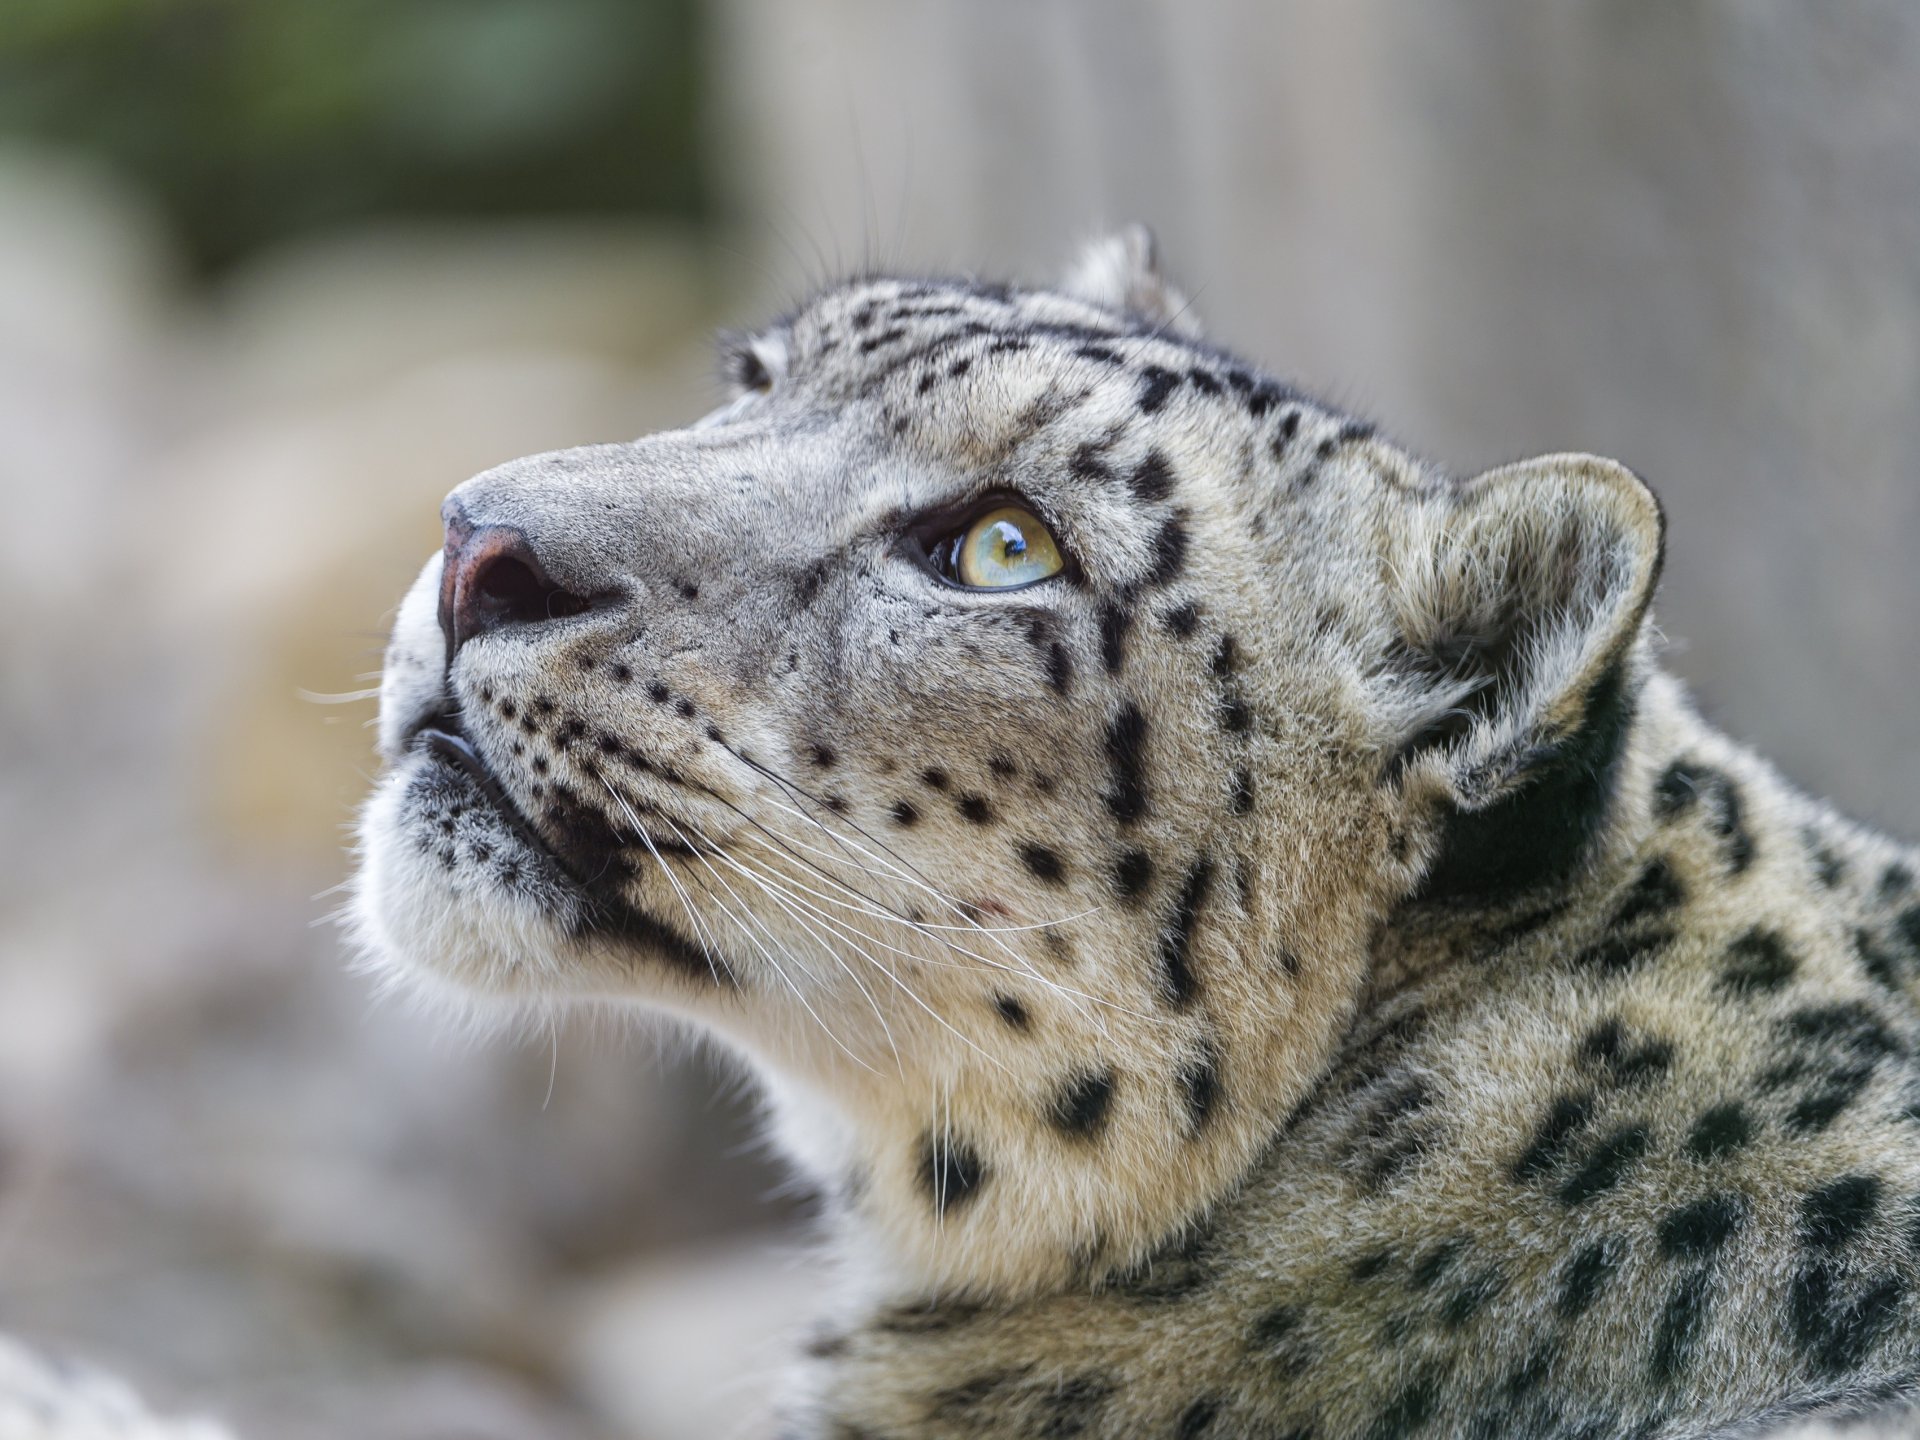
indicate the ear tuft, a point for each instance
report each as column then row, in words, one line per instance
column 1121, row 272
column 1521, row 596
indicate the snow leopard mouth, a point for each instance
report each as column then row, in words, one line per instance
column 442, row 736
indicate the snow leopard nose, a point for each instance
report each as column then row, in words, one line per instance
column 493, row 579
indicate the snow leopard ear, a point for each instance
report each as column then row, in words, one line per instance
column 1520, row 599
column 1121, row 272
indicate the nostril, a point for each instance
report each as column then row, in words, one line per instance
column 494, row 579
column 520, row 595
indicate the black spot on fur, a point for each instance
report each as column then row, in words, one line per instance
column 1880, row 964
column 1226, row 657
column 1682, row 1320
column 935, row 778
column 1587, row 1275
column 1759, row 962
column 1895, row 881
column 1657, row 891
column 1114, row 624
column 975, row 809
column 1621, row 954
column 1837, row 1212
column 822, row 756
column 1182, row 620
column 1429, row 1268
column 1835, row 1333
column 1044, row 863
column 950, row 1172
column 1200, row 1087
column 1152, row 478
column 1132, row 873
column 1127, row 757
column 1087, row 464
column 1059, row 667
column 1684, row 785
column 1156, row 385
column 903, row 812
column 1240, row 793
column 1828, row 866
column 1169, row 551
column 1607, row 1164
column 1013, row 1012
column 1626, row 1063
column 1408, row 1412
column 1720, row 1131
column 1697, row 1230
column 1471, row 1298
column 1196, row 1421
column 1540, row 832
column 1370, row 1264
column 1176, row 939
column 1081, row 1107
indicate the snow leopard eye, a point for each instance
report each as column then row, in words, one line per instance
column 1002, row 548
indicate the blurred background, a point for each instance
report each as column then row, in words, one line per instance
column 276, row 274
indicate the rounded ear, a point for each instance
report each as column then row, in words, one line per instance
column 1520, row 598
column 1121, row 272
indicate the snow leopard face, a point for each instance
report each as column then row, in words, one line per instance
column 1005, row 720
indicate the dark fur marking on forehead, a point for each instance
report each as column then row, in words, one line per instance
column 1169, row 552
column 1126, row 747
column 1059, row 668
column 1156, row 385
column 1086, row 462
column 1012, row 1011
column 1182, row 620
column 903, row 812
column 1081, row 1107
column 1152, row 479
column 1177, row 976
column 1114, row 624
column 951, row 1172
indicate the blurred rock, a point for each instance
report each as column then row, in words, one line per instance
column 692, row 1345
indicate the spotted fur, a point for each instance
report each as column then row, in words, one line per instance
column 1302, row 971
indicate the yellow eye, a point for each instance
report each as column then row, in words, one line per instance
column 1007, row 546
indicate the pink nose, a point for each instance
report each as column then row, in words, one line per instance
column 493, row 580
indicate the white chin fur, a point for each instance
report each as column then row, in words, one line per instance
column 447, row 933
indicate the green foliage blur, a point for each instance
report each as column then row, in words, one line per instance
column 251, row 120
